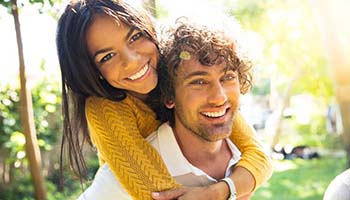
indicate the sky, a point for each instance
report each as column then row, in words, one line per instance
column 38, row 35
column 38, row 38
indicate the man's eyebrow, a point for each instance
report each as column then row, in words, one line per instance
column 226, row 69
column 196, row 73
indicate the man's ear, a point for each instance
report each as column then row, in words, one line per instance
column 170, row 104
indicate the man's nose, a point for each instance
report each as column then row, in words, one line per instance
column 130, row 58
column 217, row 94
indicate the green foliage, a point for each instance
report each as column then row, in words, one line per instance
column 47, row 118
column 22, row 187
column 262, row 87
column 47, row 113
column 301, row 179
column 161, row 11
column 313, row 134
column 42, row 4
column 11, row 139
column 292, row 44
column 7, row 3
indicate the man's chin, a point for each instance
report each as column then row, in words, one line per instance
column 216, row 134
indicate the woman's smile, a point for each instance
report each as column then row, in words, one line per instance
column 126, row 58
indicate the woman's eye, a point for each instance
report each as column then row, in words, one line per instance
column 107, row 57
column 136, row 36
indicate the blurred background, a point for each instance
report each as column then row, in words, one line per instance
column 299, row 105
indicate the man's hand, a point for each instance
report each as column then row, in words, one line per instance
column 191, row 193
column 217, row 191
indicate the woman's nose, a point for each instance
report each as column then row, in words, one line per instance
column 130, row 58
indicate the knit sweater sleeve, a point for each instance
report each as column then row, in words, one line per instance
column 117, row 130
column 254, row 159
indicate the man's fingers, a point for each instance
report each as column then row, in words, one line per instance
column 169, row 194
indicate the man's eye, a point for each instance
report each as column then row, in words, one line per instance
column 107, row 57
column 198, row 82
column 136, row 36
column 229, row 77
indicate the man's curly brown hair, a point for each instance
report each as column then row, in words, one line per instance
column 208, row 46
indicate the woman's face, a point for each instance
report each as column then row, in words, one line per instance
column 125, row 57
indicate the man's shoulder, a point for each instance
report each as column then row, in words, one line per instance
column 105, row 186
column 153, row 139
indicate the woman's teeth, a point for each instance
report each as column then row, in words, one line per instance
column 139, row 74
column 215, row 114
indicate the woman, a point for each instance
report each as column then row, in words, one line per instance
column 108, row 56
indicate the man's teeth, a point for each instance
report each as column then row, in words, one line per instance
column 139, row 74
column 214, row 114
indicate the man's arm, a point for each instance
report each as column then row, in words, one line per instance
column 217, row 191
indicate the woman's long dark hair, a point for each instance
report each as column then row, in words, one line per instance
column 80, row 76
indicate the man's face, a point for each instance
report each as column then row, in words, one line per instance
column 206, row 99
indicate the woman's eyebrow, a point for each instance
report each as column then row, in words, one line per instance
column 100, row 51
column 104, row 50
column 132, row 29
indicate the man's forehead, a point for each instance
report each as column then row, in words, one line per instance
column 194, row 67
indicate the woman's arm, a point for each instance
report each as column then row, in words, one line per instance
column 251, row 171
column 114, row 129
column 254, row 159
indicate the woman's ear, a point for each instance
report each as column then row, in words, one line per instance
column 170, row 104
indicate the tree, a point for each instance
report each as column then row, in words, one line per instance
column 332, row 17
column 27, row 117
column 150, row 6
column 293, row 60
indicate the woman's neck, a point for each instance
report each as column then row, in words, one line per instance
column 142, row 97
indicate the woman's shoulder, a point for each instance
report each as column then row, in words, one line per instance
column 94, row 103
column 129, row 103
column 91, row 100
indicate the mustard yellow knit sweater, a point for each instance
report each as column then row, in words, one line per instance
column 118, row 130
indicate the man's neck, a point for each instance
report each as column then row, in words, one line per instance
column 203, row 154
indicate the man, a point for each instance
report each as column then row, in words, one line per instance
column 200, row 85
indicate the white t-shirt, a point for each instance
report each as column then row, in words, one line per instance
column 106, row 186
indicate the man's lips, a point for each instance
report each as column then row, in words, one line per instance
column 216, row 113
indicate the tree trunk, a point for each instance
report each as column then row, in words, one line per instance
column 32, row 148
column 150, row 6
column 4, row 168
column 285, row 101
column 345, row 115
column 332, row 17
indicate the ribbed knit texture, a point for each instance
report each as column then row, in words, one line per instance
column 118, row 130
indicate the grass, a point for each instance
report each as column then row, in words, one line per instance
column 300, row 179
column 292, row 180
